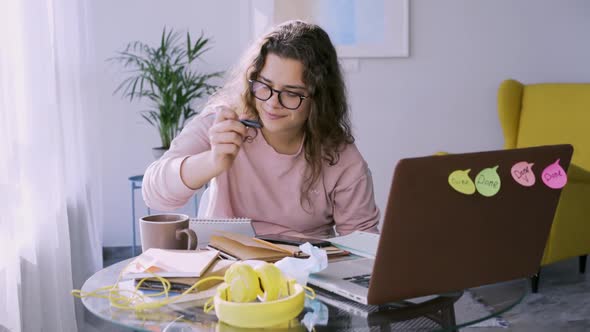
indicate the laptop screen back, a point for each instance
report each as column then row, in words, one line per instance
column 435, row 239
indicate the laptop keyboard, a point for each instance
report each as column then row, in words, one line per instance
column 362, row 280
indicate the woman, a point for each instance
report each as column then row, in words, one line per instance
column 300, row 173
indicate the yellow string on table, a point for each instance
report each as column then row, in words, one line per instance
column 118, row 299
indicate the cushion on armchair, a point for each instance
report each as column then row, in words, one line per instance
column 555, row 114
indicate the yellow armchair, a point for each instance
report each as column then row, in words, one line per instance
column 541, row 114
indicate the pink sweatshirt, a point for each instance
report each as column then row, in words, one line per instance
column 264, row 185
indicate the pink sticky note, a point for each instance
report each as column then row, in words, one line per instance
column 522, row 173
column 554, row 176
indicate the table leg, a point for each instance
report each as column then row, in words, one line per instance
column 448, row 316
column 133, row 218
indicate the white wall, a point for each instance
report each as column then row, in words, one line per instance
column 443, row 97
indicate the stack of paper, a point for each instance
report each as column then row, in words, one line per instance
column 181, row 284
column 170, row 263
column 358, row 242
column 152, row 287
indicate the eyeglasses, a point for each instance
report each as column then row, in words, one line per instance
column 288, row 99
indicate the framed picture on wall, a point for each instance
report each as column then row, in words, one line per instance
column 358, row 28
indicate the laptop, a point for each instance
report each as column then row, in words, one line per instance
column 435, row 239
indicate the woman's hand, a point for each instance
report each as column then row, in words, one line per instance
column 226, row 137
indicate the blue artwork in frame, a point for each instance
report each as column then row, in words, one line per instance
column 358, row 28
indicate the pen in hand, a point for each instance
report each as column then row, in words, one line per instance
column 251, row 123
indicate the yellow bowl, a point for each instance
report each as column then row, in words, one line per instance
column 259, row 314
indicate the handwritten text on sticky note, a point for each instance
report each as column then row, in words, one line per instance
column 522, row 173
column 487, row 182
column 461, row 182
column 554, row 176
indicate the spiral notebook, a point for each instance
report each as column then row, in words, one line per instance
column 205, row 227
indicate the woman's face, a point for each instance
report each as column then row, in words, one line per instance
column 286, row 75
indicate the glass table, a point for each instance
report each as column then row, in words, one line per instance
column 327, row 312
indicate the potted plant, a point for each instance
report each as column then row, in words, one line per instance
column 166, row 76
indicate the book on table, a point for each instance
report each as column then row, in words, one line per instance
column 170, row 263
column 242, row 247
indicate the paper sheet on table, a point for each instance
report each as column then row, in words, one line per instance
column 358, row 242
column 170, row 263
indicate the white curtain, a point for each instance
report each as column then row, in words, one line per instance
column 50, row 198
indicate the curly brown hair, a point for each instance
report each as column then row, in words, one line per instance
column 328, row 128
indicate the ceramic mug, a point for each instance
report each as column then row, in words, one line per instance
column 167, row 231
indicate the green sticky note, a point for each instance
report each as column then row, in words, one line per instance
column 461, row 182
column 488, row 182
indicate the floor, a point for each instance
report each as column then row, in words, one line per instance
column 563, row 301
